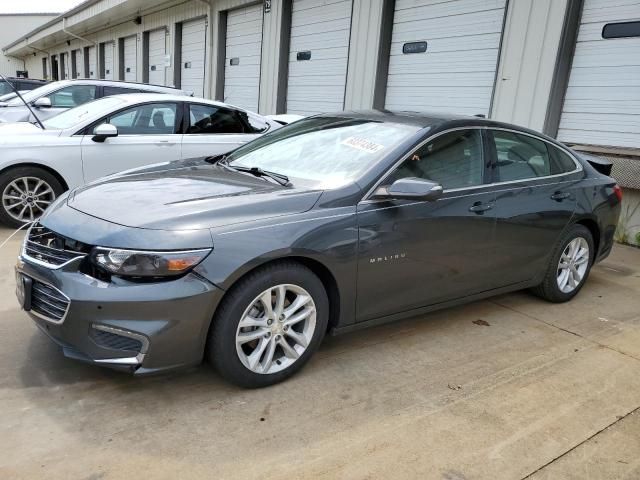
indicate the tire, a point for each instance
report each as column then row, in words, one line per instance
column 44, row 187
column 228, row 348
column 550, row 288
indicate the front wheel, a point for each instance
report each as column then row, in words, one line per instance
column 570, row 266
column 26, row 194
column 268, row 325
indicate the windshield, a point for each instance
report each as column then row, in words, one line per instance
column 91, row 110
column 5, row 88
column 327, row 151
column 36, row 93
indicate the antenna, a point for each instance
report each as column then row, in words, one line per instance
column 15, row 90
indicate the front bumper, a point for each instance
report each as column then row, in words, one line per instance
column 161, row 325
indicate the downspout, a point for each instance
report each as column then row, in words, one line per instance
column 208, row 90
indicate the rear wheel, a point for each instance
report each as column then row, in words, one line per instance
column 26, row 193
column 268, row 325
column 570, row 266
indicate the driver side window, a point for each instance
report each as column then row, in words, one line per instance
column 73, row 96
column 148, row 119
column 454, row 160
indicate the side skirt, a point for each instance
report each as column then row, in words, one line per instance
column 431, row 308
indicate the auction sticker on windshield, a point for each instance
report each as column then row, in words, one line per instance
column 363, row 144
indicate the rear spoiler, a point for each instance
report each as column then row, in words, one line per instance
column 602, row 165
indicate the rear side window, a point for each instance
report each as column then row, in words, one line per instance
column 208, row 119
column 73, row 96
column 520, row 157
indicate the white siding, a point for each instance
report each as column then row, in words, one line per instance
column 93, row 63
column 602, row 103
column 457, row 72
column 244, row 46
column 157, row 51
column 322, row 27
column 108, row 61
column 194, row 41
column 130, row 58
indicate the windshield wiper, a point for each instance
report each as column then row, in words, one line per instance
column 258, row 172
column 217, row 159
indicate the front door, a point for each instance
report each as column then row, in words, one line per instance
column 535, row 200
column 413, row 254
column 146, row 135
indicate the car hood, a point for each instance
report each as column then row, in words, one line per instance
column 24, row 128
column 14, row 113
column 188, row 196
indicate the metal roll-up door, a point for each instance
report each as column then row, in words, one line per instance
column 243, row 52
column 64, row 66
column 93, row 63
column 108, row 61
column 602, row 102
column 193, row 53
column 318, row 56
column 444, row 55
column 157, row 52
column 130, row 50
column 77, row 64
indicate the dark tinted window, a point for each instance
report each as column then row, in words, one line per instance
column 255, row 124
column 212, row 119
column 5, row 88
column 621, row 30
column 150, row 119
column 73, row 96
column 454, row 160
column 520, row 157
column 118, row 91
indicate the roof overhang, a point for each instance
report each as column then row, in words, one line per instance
column 87, row 18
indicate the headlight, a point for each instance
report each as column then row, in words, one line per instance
column 141, row 263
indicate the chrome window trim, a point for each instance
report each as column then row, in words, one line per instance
column 367, row 197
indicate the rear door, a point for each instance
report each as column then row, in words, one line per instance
column 535, row 200
column 417, row 253
column 147, row 134
column 212, row 130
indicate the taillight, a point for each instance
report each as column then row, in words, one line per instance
column 617, row 189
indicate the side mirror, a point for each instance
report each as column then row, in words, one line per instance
column 104, row 131
column 42, row 102
column 410, row 189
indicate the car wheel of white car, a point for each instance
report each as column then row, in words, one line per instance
column 26, row 193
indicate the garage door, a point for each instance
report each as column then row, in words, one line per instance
column 157, row 53
column 194, row 41
column 243, row 51
column 602, row 103
column 93, row 63
column 130, row 50
column 444, row 55
column 108, row 64
column 64, row 66
column 77, row 64
column 319, row 52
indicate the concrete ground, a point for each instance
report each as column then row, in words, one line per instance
column 511, row 387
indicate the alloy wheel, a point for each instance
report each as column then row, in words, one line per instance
column 573, row 265
column 276, row 329
column 26, row 198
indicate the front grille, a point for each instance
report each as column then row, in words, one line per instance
column 50, row 248
column 48, row 302
column 115, row 341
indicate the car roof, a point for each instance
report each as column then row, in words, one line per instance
column 133, row 98
column 120, row 83
column 432, row 120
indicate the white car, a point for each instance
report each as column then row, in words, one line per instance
column 110, row 135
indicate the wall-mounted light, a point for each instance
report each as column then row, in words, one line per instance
column 138, row 20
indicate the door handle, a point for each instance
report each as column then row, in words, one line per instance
column 559, row 196
column 480, row 207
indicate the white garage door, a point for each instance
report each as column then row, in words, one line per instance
column 457, row 71
column 77, row 60
column 108, row 61
column 93, row 63
column 157, row 53
column 194, row 41
column 64, row 66
column 130, row 58
column 318, row 57
column 243, row 51
column 602, row 103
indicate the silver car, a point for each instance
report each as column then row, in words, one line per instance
column 56, row 97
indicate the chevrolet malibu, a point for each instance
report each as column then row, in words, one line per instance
column 331, row 224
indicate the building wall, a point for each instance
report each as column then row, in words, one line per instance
column 11, row 27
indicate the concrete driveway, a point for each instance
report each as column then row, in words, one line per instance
column 511, row 388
